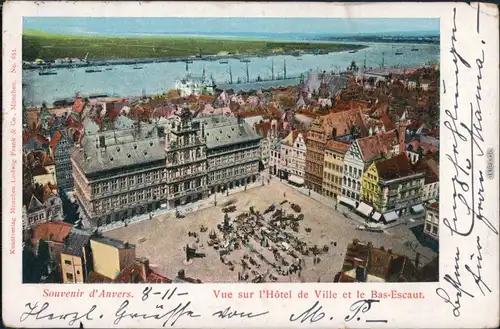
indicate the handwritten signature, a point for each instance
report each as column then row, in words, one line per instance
column 315, row 313
column 41, row 312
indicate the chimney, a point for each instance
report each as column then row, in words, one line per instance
column 181, row 275
column 382, row 249
column 389, row 251
column 355, row 241
column 401, row 137
column 144, row 268
column 417, row 260
column 370, row 244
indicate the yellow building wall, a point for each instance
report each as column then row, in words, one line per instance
column 71, row 268
column 106, row 259
column 332, row 173
column 371, row 192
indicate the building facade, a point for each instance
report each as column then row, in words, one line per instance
column 275, row 157
column 293, row 153
column 333, row 168
column 186, row 160
column 316, row 141
column 233, row 153
column 76, row 257
column 63, row 167
column 345, row 125
column 431, row 227
column 111, row 256
column 360, row 155
column 120, row 174
column 392, row 186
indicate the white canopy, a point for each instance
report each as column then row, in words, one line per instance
column 376, row 216
column 390, row 216
column 364, row 209
column 347, row 201
column 296, row 180
column 418, row 208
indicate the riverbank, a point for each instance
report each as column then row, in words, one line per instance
column 52, row 46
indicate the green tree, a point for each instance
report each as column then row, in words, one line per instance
column 43, row 254
column 31, row 270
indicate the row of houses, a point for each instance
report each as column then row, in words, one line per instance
column 378, row 170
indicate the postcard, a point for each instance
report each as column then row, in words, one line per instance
column 223, row 165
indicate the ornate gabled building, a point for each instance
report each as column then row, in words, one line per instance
column 186, row 160
column 293, row 154
column 344, row 126
column 120, row 174
column 62, row 148
column 393, row 188
column 360, row 155
column 333, row 167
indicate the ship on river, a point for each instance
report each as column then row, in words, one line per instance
column 260, row 83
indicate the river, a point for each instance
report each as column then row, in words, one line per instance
column 154, row 78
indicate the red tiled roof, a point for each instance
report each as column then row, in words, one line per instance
column 154, row 277
column 337, row 146
column 130, row 274
column 95, row 277
column 388, row 125
column 377, row 145
column 55, row 139
column 343, row 121
column 206, row 98
column 48, row 159
column 41, row 139
column 133, row 273
column 395, row 167
column 434, row 205
column 263, row 128
column 52, row 231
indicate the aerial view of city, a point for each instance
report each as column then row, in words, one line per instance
column 226, row 150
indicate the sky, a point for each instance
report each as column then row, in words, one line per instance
column 230, row 26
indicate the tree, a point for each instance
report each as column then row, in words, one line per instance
column 43, row 252
column 31, row 270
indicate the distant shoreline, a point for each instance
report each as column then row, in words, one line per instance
column 49, row 47
column 428, row 40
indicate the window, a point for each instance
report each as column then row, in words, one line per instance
column 434, row 230
column 69, row 276
column 428, row 227
column 68, row 262
column 77, row 272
